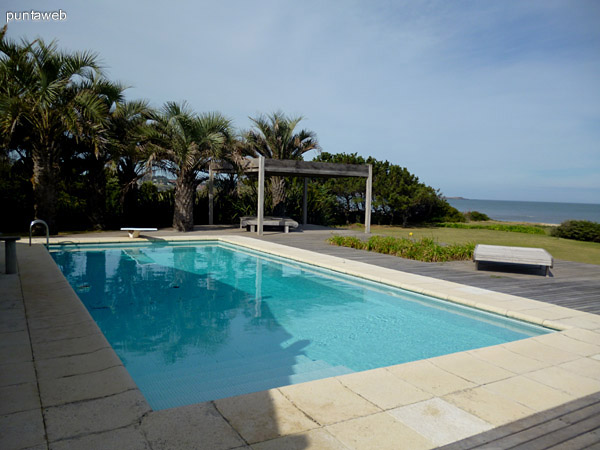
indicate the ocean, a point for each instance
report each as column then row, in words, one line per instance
column 535, row 212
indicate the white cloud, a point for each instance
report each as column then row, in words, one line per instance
column 473, row 97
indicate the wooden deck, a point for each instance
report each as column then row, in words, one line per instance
column 572, row 426
column 572, row 285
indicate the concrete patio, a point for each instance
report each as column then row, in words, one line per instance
column 63, row 387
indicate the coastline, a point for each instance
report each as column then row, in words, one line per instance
column 537, row 213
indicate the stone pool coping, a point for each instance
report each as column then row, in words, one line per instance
column 85, row 397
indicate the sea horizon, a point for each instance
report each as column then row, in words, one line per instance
column 528, row 211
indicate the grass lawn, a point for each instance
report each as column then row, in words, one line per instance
column 567, row 249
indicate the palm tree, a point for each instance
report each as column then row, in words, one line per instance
column 274, row 137
column 43, row 104
column 94, row 160
column 128, row 124
column 184, row 143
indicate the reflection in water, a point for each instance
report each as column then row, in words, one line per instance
column 206, row 322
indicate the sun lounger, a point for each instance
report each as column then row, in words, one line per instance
column 513, row 255
column 135, row 232
column 251, row 222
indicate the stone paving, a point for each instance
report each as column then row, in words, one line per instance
column 63, row 387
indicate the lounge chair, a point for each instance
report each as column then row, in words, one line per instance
column 513, row 255
column 251, row 222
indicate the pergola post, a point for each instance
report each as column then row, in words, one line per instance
column 305, row 203
column 211, row 177
column 260, row 211
column 369, row 194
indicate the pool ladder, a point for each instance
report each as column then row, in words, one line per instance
column 40, row 221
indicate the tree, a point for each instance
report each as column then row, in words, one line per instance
column 349, row 192
column 274, row 137
column 183, row 144
column 128, row 125
column 44, row 102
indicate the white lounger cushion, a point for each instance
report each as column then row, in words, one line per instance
column 514, row 255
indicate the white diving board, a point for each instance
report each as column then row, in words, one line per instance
column 134, row 232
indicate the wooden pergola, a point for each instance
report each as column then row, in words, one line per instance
column 290, row 168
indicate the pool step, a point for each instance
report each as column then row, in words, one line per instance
column 167, row 390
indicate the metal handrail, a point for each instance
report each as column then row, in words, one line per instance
column 35, row 222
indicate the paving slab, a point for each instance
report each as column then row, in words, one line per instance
column 58, row 321
column 17, row 373
column 70, row 347
column 15, row 354
column 130, row 438
column 13, row 338
column 318, row 439
column 587, row 367
column 327, row 401
column 589, row 336
column 489, row 406
column 12, row 320
column 22, row 430
column 430, row 378
column 263, row 416
column 529, row 393
column 19, row 397
column 509, row 360
column 93, row 416
column 440, row 421
column 195, row 427
column 65, row 366
column 383, row 389
column 471, row 368
column 71, row 331
column 568, row 344
column 58, row 391
column 537, row 350
column 378, row 432
column 566, row 381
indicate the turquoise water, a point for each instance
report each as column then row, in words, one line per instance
column 536, row 212
column 198, row 322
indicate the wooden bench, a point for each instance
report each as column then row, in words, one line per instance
column 135, row 232
column 513, row 255
column 10, row 252
column 251, row 222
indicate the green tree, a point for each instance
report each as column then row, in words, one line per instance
column 349, row 192
column 274, row 136
column 183, row 144
column 128, row 129
column 44, row 102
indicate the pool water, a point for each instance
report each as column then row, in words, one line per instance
column 200, row 321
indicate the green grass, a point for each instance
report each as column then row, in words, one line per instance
column 513, row 228
column 566, row 249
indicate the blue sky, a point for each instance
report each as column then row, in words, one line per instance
column 481, row 99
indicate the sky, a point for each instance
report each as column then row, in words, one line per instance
column 491, row 100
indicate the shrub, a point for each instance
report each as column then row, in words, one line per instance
column 425, row 249
column 580, row 230
column 453, row 215
column 476, row 216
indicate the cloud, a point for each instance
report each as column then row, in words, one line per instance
column 498, row 98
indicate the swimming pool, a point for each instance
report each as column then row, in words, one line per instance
column 201, row 321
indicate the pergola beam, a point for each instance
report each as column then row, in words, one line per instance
column 264, row 167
